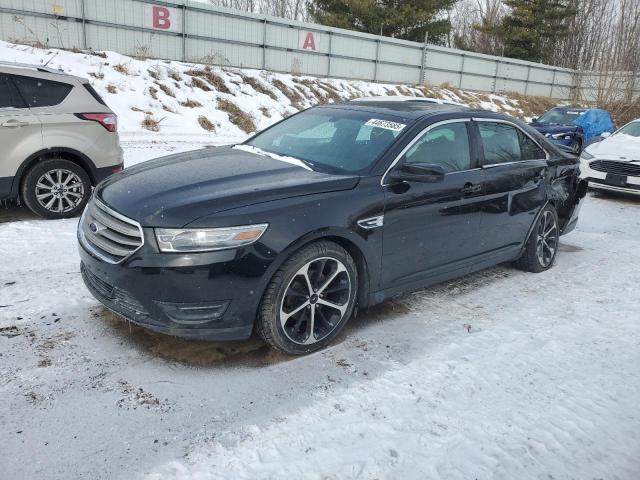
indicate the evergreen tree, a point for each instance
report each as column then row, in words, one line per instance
column 406, row 19
column 532, row 28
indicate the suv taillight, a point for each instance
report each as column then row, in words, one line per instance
column 107, row 120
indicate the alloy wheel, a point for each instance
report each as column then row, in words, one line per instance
column 547, row 239
column 59, row 190
column 315, row 300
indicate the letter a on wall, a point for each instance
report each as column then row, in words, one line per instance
column 163, row 18
column 309, row 42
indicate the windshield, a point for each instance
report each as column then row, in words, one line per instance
column 558, row 117
column 331, row 140
column 632, row 129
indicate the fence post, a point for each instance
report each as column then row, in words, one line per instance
column 184, row 32
column 84, row 26
column 375, row 65
column 526, row 82
column 264, row 43
column 495, row 77
column 461, row 71
column 423, row 63
column 553, row 82
column 330, row 53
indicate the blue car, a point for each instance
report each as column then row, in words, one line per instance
column 572, row 127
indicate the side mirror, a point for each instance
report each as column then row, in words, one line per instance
column 534, row 119
column 419, row 172
column 605, row 134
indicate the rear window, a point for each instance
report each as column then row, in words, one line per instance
column 38, row 92
column 9, row 97
column 94, row 94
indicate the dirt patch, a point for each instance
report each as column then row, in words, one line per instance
column 56, row 340
column 111, row 88
column 195, row 353
column 237, row 116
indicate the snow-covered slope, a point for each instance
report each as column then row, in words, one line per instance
column 174, row 98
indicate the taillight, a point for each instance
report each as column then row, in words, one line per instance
column 107, row 120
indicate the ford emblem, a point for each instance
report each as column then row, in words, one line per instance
column 93, row 227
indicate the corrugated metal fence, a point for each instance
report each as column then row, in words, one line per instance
column 198, row 32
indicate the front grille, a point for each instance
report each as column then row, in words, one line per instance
column 108, row 234
column 114, row 297
column 617, row 168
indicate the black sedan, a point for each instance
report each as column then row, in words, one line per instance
column 336, row 208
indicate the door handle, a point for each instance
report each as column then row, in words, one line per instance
column 15, row 124
column 470, row 188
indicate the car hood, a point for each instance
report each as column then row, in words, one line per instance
column 554, row 129
column 616, row 147
column 176, row 190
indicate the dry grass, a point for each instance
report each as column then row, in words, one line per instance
column 331, row 91
column 265, row 111
column 532, row 106
column 167, row 108
column 174, row 75
column 258, row 86
column 121, row 68
column 150, row 123
column 209, row 76
column 153, row 91
column 190, row 103
column 167, row 90
column 98, row 75
column 111, row 88
column 294, row 97
column 153, row 74
column 201, row 84
column 206, row 124
column 237, row 116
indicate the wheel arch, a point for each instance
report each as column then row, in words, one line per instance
column 347, row 240
column 69, row 154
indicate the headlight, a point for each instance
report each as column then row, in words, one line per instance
column 585, row 155
column 207, row 239
column 559, row 136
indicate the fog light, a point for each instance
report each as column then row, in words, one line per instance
column 193, row 313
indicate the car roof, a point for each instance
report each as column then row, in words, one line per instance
column 409, row 107
column 38, row 71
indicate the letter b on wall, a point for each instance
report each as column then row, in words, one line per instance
column 163, row 18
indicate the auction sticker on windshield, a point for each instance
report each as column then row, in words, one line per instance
column 396, row 127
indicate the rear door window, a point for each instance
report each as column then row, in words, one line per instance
column 38, row 92
column 9, row 97
column 504, row 143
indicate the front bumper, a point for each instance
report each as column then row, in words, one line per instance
column 600, row 181
column 209, row 296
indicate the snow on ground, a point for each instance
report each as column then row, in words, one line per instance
column 499, row 375
column 186, row 99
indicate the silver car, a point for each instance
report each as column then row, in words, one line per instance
column 58, row 138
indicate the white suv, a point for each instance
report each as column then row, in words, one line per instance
column 59, row 139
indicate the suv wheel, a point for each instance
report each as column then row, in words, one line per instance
column 56, row 188
column 542, row 247
column 309, row 300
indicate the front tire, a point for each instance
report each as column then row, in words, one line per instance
column 542, row 246
column 309, row 299
column 56, row 188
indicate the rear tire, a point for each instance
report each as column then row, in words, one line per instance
column 542, row 246
column 309, row 299
column 56, row 188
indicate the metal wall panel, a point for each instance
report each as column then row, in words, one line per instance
column 200, row 32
